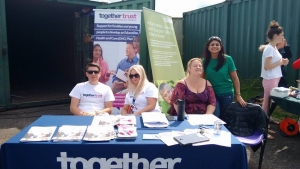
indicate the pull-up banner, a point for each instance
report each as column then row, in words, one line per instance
column 165, row 58
column 117, row 34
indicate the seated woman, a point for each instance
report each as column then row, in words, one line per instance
column 198, row 93
column 91, row 97
column 142, row 95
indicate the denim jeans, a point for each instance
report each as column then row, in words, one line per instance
column 223, row 101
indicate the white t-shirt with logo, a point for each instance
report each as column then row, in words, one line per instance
column 92, row 97
column 272, row 52
column 149, row 90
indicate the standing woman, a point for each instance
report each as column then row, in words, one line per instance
column 220, row 70
column 98, row 58
column 142, row 95
column 271, row 63
column 197, row 92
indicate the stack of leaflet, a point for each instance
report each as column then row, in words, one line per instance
column 126, row 127
column 69, row 133
column 126, row 132
column 39, row 133
column 99, row 133
column 155, row 120
column 127, row 120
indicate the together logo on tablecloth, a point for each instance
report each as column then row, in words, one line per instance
column 115, row 163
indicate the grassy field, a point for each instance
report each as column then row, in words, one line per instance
column 253, row 87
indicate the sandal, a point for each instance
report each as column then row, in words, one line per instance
column 271, row 131
column 270, row 137
column 273, row 121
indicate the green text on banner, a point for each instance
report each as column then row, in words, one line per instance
column 165, row 58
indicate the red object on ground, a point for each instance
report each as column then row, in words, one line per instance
column 296, row 64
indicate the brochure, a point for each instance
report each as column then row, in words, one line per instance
column 126, row 132
column 69, row 133
column 99, row 133
column 39, row 133
column 155, row 119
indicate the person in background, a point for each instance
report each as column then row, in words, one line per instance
column 142, row 95
column 220, row 70
column 271, row 64
column 91, row 97
column 197, row 92
column 98, row 58
column 124, row 65
column 286, row 53
column 165, row 91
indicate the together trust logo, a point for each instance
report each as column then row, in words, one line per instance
column 117, row 16
column 92, row 95
column 135, row 161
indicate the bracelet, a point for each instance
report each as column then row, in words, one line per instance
column 238, row 93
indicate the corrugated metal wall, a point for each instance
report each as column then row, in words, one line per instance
column 242, row 24
column 199, row 25
column 4, row 75
column 177, row 23
column 83, row 51
column 138, row 4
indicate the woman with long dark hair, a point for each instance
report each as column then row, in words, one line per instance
column 98, row 58
column 220, row 71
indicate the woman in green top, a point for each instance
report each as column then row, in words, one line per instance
column 221, row 72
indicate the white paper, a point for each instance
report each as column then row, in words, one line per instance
column 150, row 137
column 155, row 119
column 121, row 75
column 223, row 139
column 203, row 119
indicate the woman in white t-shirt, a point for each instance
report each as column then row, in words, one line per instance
column 142, row 95
column 271, row 63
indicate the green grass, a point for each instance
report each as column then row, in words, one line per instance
column 253, row 87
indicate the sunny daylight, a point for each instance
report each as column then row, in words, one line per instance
column 144, row 84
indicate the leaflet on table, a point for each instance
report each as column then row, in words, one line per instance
column 150, row 137
column 155, row 119
column 168, row 137
column 99, row 133
column 114, row 120
column 69, row 133
column 39, row 133
column 126, row 132
column 203, row 119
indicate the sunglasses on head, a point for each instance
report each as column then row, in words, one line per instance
column 93, row 71
column 135, row 75
column 214, row 37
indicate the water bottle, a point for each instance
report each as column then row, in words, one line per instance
column 181, row 109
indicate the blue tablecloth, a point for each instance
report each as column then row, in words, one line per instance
column 118, row 153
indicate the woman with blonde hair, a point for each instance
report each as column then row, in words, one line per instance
column 142, row 95
column 197, row 92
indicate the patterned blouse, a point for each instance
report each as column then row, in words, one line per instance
column 195, row 103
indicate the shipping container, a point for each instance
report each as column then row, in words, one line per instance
column 45, row 47
column 242, row 26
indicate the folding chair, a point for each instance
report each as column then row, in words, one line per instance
column 255, row 140
column 239, row 118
